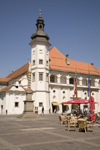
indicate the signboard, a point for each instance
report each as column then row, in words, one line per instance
column 36, row 109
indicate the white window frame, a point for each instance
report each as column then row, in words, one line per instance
column 17, row 105
column 40, row 104
column 41, row 61
column 33, row 77
column 47, row 77
column 40, row 73
column 33, row 62
column 47, row 62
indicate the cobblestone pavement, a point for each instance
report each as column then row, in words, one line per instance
column 44, row 133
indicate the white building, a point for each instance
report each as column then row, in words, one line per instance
column 52, row 79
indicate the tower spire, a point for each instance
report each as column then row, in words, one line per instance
column 40, row 34
column 40, row 13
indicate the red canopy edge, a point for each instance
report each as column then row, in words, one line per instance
column 76, row 101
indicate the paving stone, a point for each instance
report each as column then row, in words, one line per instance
column 44, row 133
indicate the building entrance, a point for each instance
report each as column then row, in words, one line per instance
column 65, row 108
column 1, row 109
column 54, row 109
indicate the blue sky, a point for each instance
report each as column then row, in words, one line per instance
column 72, row 25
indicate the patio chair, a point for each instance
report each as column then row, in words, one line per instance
column 82, row 125
column 72, row 123
column 62, row 119
column 89, row 124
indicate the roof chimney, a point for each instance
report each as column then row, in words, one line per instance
column 92, row 63
column 67, row 59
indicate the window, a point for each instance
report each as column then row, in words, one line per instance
column 40, row 76
column 40, row 104
column 33, row 77
column 16, row 104
column 47, row 77
column 33, row 52
column 47, row 63
column 40, row 51
column 52, row 78
column 40, row 61
column 19, row 82
column 33, row 62
column 71, row 81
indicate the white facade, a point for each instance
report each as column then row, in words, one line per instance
column 11, row 101
column 40, row 69
column 50, row 87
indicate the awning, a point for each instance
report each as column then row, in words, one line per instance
column 65, row 104
column 55, row 104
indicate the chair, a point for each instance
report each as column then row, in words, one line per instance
column 82, row 125
column 62, row 119
column 89, row 124
column 72, row 123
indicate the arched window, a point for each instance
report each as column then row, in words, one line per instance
column 92, row 82
column 63, row 79
column 77, row 81
column 71, row 80
column 99, row 83
column 52, row 78
column 84, row 82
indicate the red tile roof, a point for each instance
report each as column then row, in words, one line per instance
column 4, row 79
column 57, row 62
column 18, row 72
column 6, row 88
column 27, row 89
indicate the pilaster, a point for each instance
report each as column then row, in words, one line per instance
column 67, row 79
column 96, row 82
column 80, row 81
column 58, row 78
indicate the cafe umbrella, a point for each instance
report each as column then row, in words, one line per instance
column 76, row 101
column 92, row 108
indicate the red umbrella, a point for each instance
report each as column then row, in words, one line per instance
column 76, row 101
